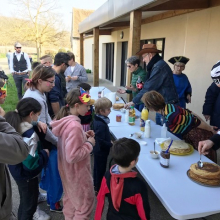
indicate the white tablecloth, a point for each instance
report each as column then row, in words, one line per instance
column 182, row 198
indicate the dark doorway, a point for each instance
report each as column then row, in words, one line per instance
column 124, row 54
column 109, row 61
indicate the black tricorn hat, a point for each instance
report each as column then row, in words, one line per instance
column 180, row 59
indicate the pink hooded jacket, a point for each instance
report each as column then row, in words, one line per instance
column 74, row 159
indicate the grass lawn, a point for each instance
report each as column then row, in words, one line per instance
column 12, row 98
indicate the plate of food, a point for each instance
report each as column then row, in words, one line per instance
column 117, row 106
column 208, row 175
column 178, row 147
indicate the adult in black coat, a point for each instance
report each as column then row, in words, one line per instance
column 211, row 107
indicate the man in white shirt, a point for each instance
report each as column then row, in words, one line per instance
column 20, row 67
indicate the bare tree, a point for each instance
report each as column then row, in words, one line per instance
column 41, row 25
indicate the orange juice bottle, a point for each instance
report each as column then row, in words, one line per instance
column 144, row 117
column 131, row 120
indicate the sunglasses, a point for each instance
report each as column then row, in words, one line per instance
column 216, row 81
column 51, row 82
column 18, row 47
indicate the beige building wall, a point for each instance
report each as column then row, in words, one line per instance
column 195, row 35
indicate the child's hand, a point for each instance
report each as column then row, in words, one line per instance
column 90, row 133
column 92, row 140
column 47, row 151
column 2, row 112
column 42, row 127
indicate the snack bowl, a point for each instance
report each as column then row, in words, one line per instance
column 123, row 110
column 155, row 154
column 138, row 135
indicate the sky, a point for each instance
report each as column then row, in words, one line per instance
column 65, row 8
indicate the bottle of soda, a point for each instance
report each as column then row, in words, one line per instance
column 139, row 83
column 131, row 120
column 144, row 117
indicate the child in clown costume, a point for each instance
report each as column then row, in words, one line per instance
column 74, row 147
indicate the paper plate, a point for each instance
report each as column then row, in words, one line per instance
column 181, row 154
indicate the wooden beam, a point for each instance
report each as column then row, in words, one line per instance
column 214, row 3
column 81, row 50
column 179, row 5
column 117, row 24
column 96, row 57
column 153, row 4
column 166, row 15
column 134, row 38
column 101, row 32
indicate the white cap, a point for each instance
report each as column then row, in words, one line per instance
column 215, row 72
column 18, row 44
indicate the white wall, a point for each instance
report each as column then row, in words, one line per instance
column 195, row 35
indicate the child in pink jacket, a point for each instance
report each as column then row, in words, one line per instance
column 74, row 147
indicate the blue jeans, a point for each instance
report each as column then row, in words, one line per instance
column 159, row 119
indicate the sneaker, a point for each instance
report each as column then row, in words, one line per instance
column 42, row 197
column 40, row 215
column 58, row 208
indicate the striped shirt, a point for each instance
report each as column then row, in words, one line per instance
column 179, row 120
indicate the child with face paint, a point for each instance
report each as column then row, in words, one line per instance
column 24, row 119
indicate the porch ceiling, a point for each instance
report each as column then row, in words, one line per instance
column 116, row 13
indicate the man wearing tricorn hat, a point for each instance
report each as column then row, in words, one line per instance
column 181, row 81
column 20, row 67
column 160, row 80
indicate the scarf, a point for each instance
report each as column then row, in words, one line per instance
column 106, row 119
column 154, row 60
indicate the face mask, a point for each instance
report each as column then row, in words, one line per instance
column 34, row 123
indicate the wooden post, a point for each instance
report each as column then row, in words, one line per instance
column 96, row 57
column 81, row 50
column 134, row 39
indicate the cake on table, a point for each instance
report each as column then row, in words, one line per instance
column 177, row 147
column 209, row 174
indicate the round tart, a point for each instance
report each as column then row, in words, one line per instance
column 177, row 147
column 209, row 174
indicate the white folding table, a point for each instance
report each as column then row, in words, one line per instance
column 183, row 198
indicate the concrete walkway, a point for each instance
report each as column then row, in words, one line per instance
column 158, row 212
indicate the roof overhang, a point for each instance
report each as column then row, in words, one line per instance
column 116, row 13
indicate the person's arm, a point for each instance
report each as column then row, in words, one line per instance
column 13, row 149
column 101, row 199
column 11, row 63
column 102, row 136
column 83, row 75
column 26, row 57
column 155, row 82
column 54, row 96
column 140, row 200
column 76, row 149
column 56, row 107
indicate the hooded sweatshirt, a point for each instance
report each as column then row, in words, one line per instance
column 127, row 196
column 13, row 150
column 74, row 160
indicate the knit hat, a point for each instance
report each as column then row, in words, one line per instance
column 215, row 73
